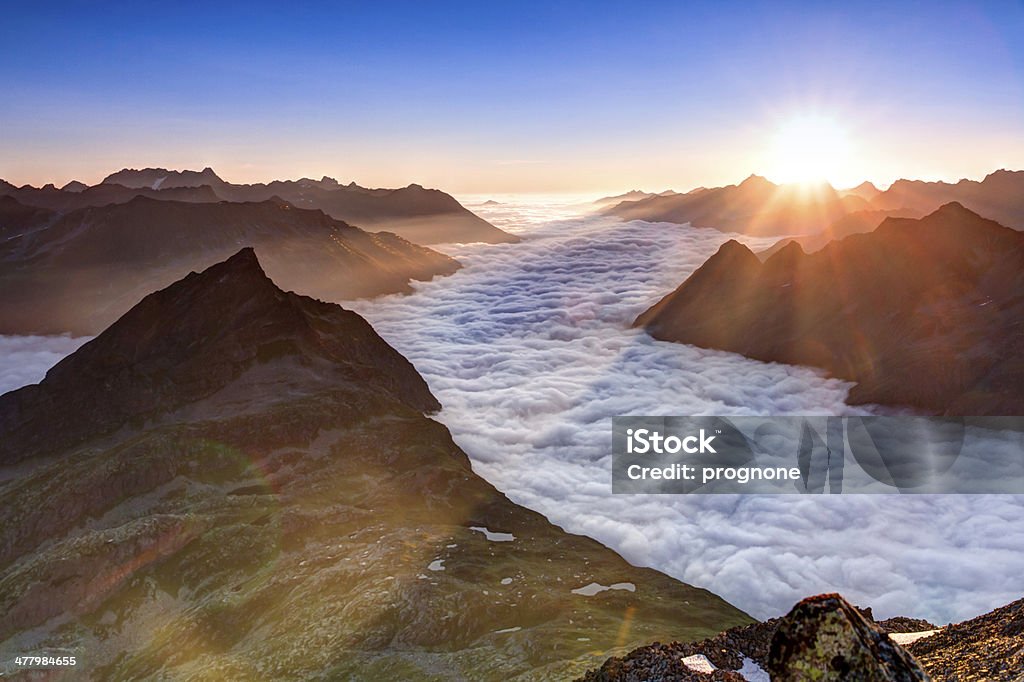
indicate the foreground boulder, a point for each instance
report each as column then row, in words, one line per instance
column 825, row 638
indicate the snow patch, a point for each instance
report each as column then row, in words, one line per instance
column 492, row 536
column 436, row 565
column 903, row 638
column 596, row 588
column 752, row 672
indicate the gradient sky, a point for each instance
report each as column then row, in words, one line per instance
column 520, row 97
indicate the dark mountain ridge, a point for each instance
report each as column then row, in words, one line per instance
column 924, row 313
column 424, row 216
column 90, row 265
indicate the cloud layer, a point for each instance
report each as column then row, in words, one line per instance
column 25, row 359
column 529, row 349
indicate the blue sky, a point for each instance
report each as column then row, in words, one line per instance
column 488, row 97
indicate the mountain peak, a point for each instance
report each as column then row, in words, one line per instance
column 754, row 180
column 192, row 339
column 953, row 208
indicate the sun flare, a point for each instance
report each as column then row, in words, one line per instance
column 809, row 150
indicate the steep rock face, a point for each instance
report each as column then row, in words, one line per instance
column 919, row 312
column 756, row 206
column 89, row 266
column 234, row 482
column 824, row 638
column 423, row 216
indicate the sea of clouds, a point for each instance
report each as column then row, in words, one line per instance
column 25, row 359
column 529, row 349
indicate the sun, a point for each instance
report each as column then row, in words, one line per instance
column 810, row 149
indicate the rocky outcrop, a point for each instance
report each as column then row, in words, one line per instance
column 90, row 266
column 238, row 482
column 735, row 649
column 919, row 312
column 989, row 647
column 824, row 638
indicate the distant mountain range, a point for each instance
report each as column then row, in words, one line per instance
column 925, row 312
column 756, row 206
column 632, row 195
column 760, row 207
column 424, row 216
column 236, row 482
column 78, row 271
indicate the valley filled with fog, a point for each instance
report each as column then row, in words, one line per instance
column 530, row 351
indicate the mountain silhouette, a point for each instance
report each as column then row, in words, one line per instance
column 756, row 206
column 922, row 312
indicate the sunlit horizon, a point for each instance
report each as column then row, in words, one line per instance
column 578, row 99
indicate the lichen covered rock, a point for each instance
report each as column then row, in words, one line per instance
column 825, row 638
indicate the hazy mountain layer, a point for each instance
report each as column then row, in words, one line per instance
column 71, row 199
column 235, row 482
column 424, row 216
column 851, row 223
column 759, row 207
column 919, row 312
column 999, row 197
column 756, row 206
column 89, row 266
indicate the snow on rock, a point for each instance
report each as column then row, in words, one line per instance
column 699, row 663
